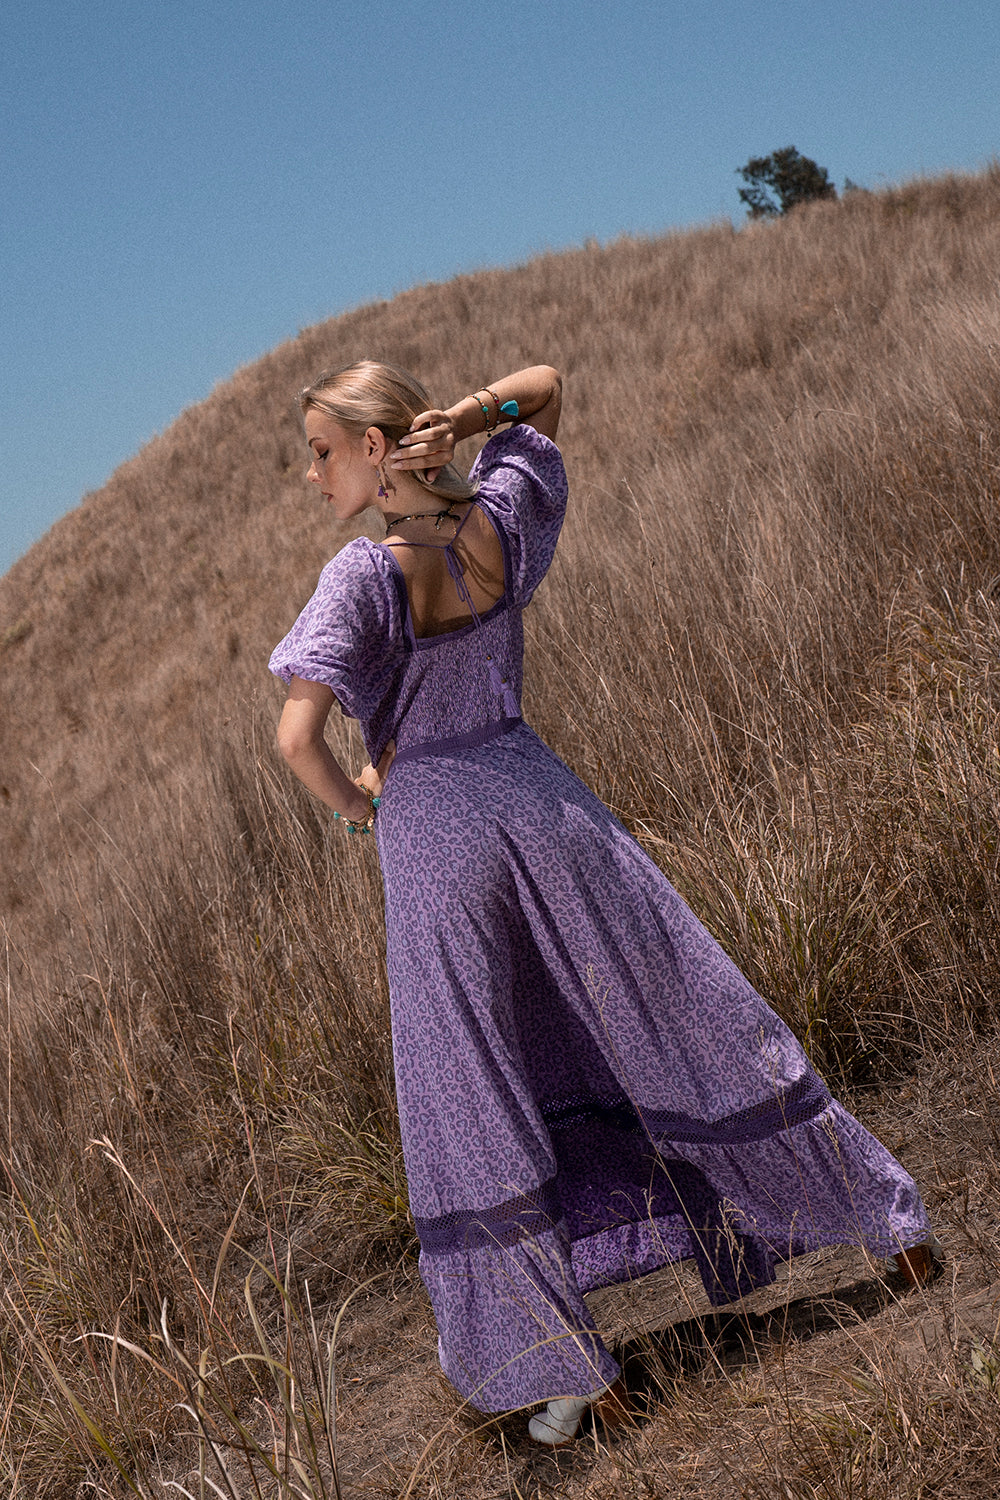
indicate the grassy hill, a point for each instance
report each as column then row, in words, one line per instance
column 769, row 641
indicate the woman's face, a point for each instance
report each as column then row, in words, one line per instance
column 341, row 465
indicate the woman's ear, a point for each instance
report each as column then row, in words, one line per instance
column 376, row 446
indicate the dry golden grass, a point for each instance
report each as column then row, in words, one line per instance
column 769, row 641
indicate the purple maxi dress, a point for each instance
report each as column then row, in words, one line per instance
column 588, row 1087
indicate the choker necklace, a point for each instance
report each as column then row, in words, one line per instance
column 420, row 515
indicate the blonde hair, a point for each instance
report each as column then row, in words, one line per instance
column 371, row 393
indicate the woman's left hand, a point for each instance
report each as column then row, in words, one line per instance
column 429, row 444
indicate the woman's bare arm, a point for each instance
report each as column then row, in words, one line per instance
column 302, row 743
column 431, row 442
column 537, row 391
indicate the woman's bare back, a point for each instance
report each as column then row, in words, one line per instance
column 435, row 604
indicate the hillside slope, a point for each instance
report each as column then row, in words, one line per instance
column 769, row 640
column 693, row 364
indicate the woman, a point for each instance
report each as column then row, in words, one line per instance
column 588, row 1087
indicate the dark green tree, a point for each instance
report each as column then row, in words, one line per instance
column 776, row 183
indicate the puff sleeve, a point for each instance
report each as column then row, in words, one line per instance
column 351, row 634
column 522, row 482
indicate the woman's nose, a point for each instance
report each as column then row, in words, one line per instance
column 311, row 473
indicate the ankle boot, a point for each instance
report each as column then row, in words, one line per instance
column 562, row 1418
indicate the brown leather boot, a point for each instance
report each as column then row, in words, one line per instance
column 920, row 1264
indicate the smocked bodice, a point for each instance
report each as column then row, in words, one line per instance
column 356, row 634
column 455, row 683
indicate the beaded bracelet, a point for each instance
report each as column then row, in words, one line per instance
column 496, row 402
column 508, row 409
column 485, row 411
column 365, row 824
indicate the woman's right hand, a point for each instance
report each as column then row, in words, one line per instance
column 372, row 778
column 429, row 445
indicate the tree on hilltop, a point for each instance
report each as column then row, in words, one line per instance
column 779, row 182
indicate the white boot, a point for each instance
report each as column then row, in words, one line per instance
column 560, row 1421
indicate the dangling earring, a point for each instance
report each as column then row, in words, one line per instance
column 385, row 484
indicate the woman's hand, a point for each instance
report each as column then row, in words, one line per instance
column 429, row 445
column 372, row 778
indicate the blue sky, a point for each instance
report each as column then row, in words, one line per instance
column 185, row 186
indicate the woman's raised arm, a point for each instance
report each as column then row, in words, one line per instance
column 431, row 441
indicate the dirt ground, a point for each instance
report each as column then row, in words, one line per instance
column 720, row 1393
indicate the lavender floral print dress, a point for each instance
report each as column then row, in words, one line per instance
column 588, row 1087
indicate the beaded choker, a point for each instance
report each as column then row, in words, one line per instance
column 420, row 515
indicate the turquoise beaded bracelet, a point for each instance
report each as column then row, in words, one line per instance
column 491, row 428
column 508, row 409
column 363, row 825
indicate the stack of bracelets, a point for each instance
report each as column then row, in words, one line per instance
column 365, row 824
column 508, row 409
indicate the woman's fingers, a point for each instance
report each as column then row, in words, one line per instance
column 418, row 445
column 372, row 777
column 433, row 443
column 429, row 444
column 433, row 418
column 430, row 458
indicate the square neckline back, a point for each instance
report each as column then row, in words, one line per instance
column 476, row 619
